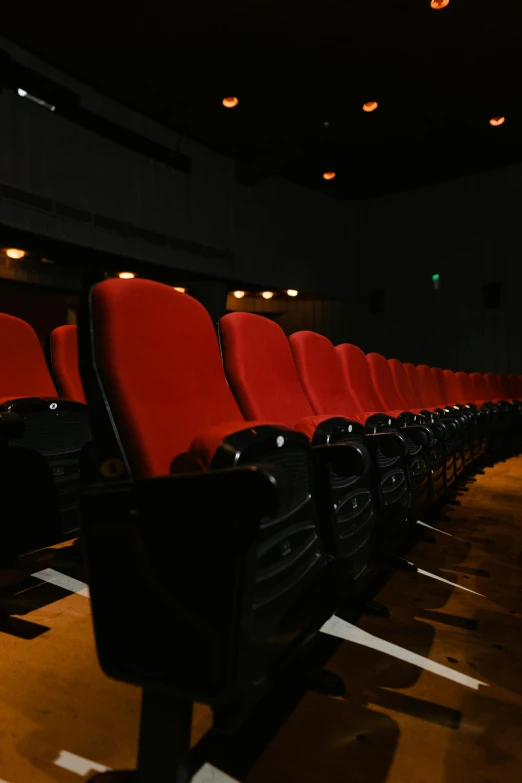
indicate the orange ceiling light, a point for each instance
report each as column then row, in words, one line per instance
column 370, row 106
column 239, row 294
column 292, row 292
column 126, row 275
column 267, row 294
column 494, row 121
column 14, row 252
column 329, row 175
column 438, row 4
column 230, row 102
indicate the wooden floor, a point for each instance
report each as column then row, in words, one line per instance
column 398, row 722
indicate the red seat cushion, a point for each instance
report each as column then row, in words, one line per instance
column 63, row 344
column 205, row 445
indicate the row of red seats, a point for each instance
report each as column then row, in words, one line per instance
column 250, row 485
column 247, row 485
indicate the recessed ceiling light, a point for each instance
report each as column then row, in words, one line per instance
column 239, row 294
column 326, row 124
column 14, row 252
column 497, row 121
column 292, row 292
column 267, row 294
column 438, row 4
column 180, row 289
column 126, row 275
column 370, row 106
column 230, row 102
column 329, row 175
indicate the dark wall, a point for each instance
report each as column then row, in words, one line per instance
column 278, row 234
column 42, row 308
column 468, row 232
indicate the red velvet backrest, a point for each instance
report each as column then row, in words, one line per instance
column 513, row 385
column 440, row 384
column 430, row 389
column 320, row 374
column 382, row 378
column 63, row 343
column 157, row 355
column 403, row 383
column 504, row 385
column 480, row 386
column 23, row 369
column 453, row 387
column 260, row 369
column 494, row 386
column 357, row 378
column 415, row 383
column 466, row 387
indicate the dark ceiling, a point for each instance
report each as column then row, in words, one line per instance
column 438, row 76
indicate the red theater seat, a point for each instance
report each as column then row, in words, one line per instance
column 51, row 434
column 261, row 372
column 321, row 377
column 246, row 583
column 62, row 355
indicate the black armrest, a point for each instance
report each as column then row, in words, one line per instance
column 443, row 430
column 183, row 548
column 381, row 422
column 407, row 417
column 11, row 426
column 346, row 459
column 420, row 434
column 392, row 443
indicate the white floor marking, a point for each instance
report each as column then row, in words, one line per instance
column 77, row 764
column 81, row 766
column 343, row 630
column 63, row 581
column 435, row 528
column 448, row 582
column 209, row 774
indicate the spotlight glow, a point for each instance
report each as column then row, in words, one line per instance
column 14, row 252
column 230, row 102
column 126, row 275
column 239, row 294
column 370, row 106
column 267, row 294
column 292, row 292
column 494, row 121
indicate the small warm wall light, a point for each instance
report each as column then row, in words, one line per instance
column 180, row 289
column 126, row 275
column 13, row 252
column 329, row 175
column 267, row 294
column 230, row 103
column 497, row 121
column 370, row 106
column 292, row 292
column 438, row 4
column 239, row 294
